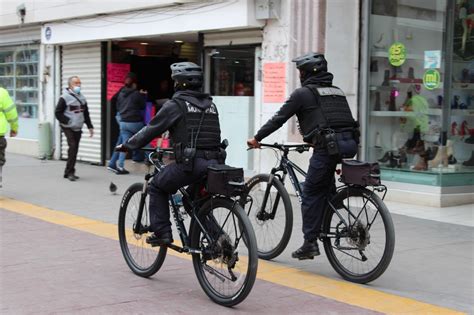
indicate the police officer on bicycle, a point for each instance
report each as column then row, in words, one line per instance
column 193, row 122
column 325, row 121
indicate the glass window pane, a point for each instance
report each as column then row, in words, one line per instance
column 19, row 75
column 232, row 71
column 406, row 86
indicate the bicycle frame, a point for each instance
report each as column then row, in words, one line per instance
column 287, row 167
column 177, row 217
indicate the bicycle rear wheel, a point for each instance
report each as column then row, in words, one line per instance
column 142, row 259
column 273, row 231
column 227, row 267
column 360, row 241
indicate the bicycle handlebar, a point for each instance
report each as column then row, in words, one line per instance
column 300, row 148
column 157, row 149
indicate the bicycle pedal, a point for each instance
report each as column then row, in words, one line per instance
column 305, row 257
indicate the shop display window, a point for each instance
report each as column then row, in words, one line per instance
column 19, row 75
column 412, row 128
column 232, row 71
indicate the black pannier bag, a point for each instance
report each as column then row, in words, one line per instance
column 360, row 173
column 225, row 180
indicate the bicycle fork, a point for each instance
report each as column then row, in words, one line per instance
column 138, row 229
column 262, row 214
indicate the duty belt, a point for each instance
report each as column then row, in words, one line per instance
column 319, row 142
column 208, row 154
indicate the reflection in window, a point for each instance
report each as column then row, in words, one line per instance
column 232, row 71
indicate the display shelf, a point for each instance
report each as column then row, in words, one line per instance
column 27, row 104
column 6, row 63
column 431, row 111
column 462, row 112
column 27, row 90
column 27, row 62
column 384, row 54
column 393, row 83
column 26, row 76
column 7, row 76
column 463, row 86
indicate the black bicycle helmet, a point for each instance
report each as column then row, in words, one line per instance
column 311, row 63
column 187, row 74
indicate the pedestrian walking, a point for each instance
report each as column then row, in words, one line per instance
column 72, row 112
column 129, row 104
column 8, row 116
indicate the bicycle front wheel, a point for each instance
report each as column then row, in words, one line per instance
column 226, row 268
column 142, row 259
column 359, row 237
column 271, row 217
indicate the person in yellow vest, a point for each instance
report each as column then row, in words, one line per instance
column 8, row 116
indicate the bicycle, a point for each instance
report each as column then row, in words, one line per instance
column 349, row 234
column 225, row 266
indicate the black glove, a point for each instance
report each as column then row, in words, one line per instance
column 121, row 148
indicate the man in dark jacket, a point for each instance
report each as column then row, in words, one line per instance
column 325, row 120
column 72, row 112
column 193, row 122
column 129, row 104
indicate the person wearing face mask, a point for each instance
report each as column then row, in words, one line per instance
column 129, row 104
column 72, row 112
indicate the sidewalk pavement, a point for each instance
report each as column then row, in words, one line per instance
column 433, row 260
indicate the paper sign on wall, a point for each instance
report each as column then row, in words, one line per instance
column 274, row 82
column 112, row 88
column 432, row 59
column 116, row 72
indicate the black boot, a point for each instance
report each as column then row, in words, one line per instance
column 469, row 162
column 387, row 156
column 377, row 101
column 160, row 239
column 307, row 251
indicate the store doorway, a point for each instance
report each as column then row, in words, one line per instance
column 150, row 61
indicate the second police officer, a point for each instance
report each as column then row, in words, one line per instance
column 193, row 122
column 325, row 121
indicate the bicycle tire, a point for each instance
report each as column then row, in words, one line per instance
column 261, row 227
column 245, row 228
column 155, row 264
column 387, row 255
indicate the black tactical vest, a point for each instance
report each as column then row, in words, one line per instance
column 332, row 111
column 209, row 137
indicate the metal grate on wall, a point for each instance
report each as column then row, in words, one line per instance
column 85, row 61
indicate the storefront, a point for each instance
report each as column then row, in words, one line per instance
column 419, row 89
column 19, row 64
column 147, row 44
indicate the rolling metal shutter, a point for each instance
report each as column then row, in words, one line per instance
column 85, row 61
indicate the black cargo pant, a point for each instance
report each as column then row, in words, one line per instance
column 3, row 147
column 318, row 187
column 73, row 138
column 167, row 182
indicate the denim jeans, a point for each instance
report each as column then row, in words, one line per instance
column 127, row 130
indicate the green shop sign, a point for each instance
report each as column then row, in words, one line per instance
column 397, row 54
column 431, row 79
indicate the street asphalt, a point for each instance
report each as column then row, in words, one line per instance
column 433, row 261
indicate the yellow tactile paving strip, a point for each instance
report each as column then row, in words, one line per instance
column 337, row 290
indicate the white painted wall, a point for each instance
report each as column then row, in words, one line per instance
column 342, row 53
column 38, row 11
column 186, row 19
column 275, row 48
column 342, row 46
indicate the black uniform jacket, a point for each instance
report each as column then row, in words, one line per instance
column 168, row 118
column 302, row 103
